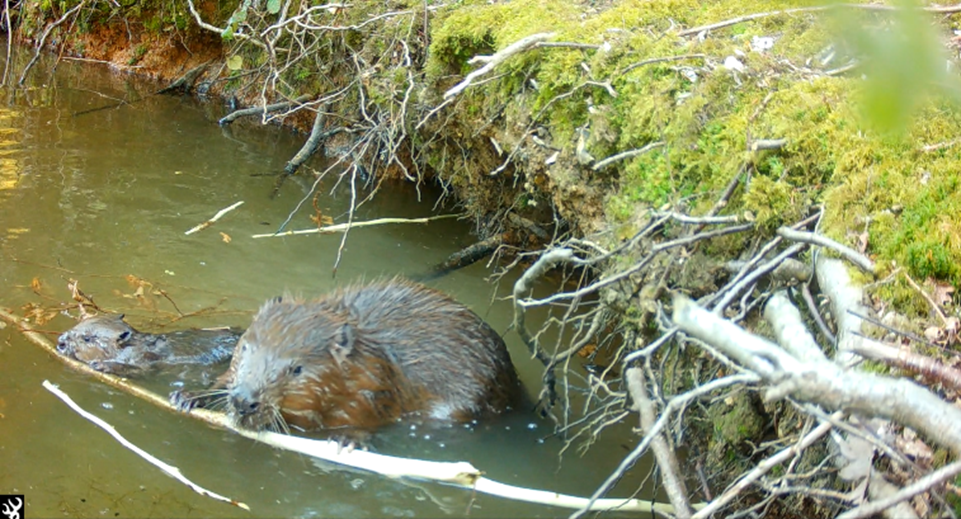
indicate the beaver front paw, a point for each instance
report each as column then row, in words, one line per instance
column 184, row 401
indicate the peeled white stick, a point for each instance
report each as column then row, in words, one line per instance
column 172, row 471
column 216, row 217
column 460, row 474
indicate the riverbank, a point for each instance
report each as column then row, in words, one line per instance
column 599, row 127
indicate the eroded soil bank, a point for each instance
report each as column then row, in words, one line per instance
column 634, row 149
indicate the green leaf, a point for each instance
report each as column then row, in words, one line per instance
column 235, row 62
column 273, row 6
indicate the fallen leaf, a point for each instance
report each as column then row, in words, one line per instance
column 226, row 237
column 933, row 334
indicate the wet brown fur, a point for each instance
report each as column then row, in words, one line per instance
column 366, row 356
column 107, row 343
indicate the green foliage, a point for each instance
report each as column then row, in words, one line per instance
column 904, row 63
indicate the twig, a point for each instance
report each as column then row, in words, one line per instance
column 700, row 220
column 763, row 468
column 523, row 285
column 218, row 30
column 921, row 485
column 848, row 253
column 675, row 403
column 767, row 144
column 661, row 60
column 43, row 39
column 496, row 59
column 170, row 470
column 331, row 229
column 601, row 164
column 940, row 146
column 663, row 453
column 216, row 217
column 905, row 359
column 934, row 306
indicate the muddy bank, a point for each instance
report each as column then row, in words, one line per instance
column 633, row 150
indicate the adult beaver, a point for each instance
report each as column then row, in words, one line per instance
column 107, row 343
column 363, row 357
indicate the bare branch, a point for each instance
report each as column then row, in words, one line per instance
column 848, row 253
column 496, row 59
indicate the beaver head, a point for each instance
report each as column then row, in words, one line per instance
column 302, row 364
column 96, row 338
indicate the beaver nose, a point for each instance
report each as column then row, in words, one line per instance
column 244, row 403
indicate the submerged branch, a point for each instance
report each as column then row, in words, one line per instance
column 343, row 227
column 317, row 135
column 260, row 110
column 168, row 469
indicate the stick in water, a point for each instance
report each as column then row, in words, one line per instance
column 216, row 217
column 169, row 469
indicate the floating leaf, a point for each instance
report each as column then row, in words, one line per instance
column 235, row 62
column 273, row 6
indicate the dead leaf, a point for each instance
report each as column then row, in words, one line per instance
column 225, row 237
column 587, row 350
column 862, row 242
column 942, row 292
column 36, row 285
column 912, row 446
column 933, row 334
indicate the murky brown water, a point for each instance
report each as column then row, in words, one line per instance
column 106, row 195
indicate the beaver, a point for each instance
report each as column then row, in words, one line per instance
column 362, row 357
column 107, row 343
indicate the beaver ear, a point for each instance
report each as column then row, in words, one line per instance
column 343, row 344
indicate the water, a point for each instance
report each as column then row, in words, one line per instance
column 104, row 198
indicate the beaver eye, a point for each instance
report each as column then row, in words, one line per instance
column 297, row 370
column 124, row 335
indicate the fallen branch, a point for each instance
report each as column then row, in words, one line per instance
column 601, row 164
column 496, row 59
column 908, row 360
column 170, row 470
column 261, row 110
column 343, row 227
column 317, row 134
column 663, row 452
column 184, row 82
column 216, row 217
column 466, row 256
column 846, row 252
column 824, row 383
column 920, row 486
